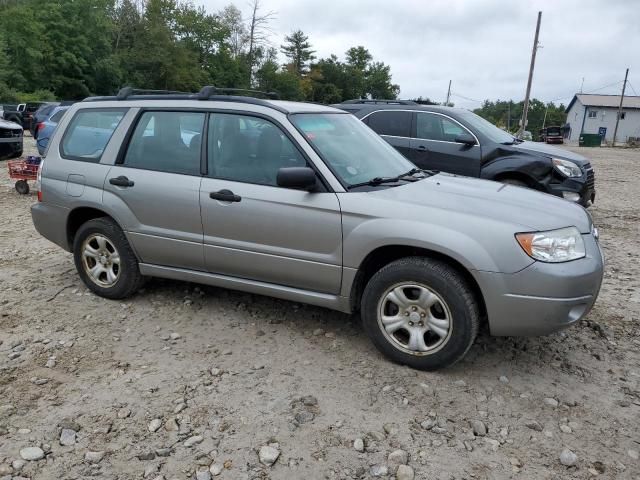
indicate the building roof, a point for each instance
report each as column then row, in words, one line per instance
column 609, row 101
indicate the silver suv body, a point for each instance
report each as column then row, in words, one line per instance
column 305, row 203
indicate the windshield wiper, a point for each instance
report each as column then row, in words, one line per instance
column 380, row 180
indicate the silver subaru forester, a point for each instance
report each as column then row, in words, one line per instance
column 306, row 203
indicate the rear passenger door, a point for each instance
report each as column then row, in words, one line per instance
column 434, row 147
column 394, row 126
column 155, row 187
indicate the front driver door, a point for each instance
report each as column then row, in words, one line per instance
column 254, row 229
column 434, row 146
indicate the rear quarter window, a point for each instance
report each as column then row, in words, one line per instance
column 89, row 132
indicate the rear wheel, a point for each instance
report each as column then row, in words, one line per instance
column 104, row 259
column 420, row 312
column 22, row 187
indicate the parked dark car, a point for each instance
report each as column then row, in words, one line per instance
column 458, row 141
column 40, row 115
column 23, row 113
column 551, row 135
column 10, row 139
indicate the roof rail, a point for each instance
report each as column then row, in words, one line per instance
column 210, row 90
column 205, row 93
column 375, row 101
column 126, row 92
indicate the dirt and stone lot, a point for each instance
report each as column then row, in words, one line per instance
column 184, row 381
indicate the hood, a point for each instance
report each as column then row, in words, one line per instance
column 526, row 209
column 9, row 125
column 549, row 151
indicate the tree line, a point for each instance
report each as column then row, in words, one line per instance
column 74, row 49
column 506, row 114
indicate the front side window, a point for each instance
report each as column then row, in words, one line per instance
column 89, row 133
column 249, row 149
column 167, row 142
column 354, row 152
column 390, row 122
column 437, row 127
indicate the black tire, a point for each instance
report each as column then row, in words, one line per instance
column 439, row 278
column 514, row 181
column 129, row 279
column 22, row 187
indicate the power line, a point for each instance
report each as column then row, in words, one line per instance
column 631, row 86
column 466, row 98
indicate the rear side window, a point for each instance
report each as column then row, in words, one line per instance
column 390, row 122
column 89, row 133
column 167, row 142
column 55, row 118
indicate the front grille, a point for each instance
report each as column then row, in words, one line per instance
column 10, row 133
column 591, row 178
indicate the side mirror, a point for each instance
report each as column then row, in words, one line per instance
column 465, row 139
column 300, row 178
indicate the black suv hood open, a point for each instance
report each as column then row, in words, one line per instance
column 549, row 151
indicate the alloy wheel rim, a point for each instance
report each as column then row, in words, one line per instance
column 414, row 318
column 101, row 260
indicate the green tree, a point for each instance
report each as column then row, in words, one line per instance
column 298, row 50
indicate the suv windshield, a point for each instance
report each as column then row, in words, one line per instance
column 486, row 128
column 353, row 151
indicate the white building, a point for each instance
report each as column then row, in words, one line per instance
column 588, row 113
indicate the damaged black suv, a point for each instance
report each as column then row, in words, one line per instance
column 458, row 141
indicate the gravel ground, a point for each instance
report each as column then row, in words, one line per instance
column 185, row 381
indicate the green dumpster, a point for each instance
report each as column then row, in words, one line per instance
column 590, row 140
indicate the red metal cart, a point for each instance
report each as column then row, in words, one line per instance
column 21, row 171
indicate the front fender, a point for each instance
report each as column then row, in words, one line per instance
column 498, row 163
column 491, row 248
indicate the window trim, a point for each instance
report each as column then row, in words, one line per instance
column 204, row 160
column 595, row 114
column 126, row 142
column 414, row 125
column 64, row 156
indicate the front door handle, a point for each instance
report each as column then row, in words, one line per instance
column 121, row 181
column 225, row 196
column 422, row 148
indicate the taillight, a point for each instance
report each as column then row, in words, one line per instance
column 38, row 184
column 40, row 126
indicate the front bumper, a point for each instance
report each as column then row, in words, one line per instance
column 10, row 147
column 584, row 187
column 543, row 297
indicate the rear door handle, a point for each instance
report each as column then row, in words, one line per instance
column 121, row 181
column 225, row 196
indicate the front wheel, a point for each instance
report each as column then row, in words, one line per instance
column 104, row 259
column 420, row 312
column 22, row 187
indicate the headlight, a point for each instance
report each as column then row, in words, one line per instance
column 566, row 168
column 555, row 246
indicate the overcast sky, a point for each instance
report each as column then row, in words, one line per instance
column 483, row 46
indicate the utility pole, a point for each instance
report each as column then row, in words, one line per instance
column 509, row 117
column 525, row 110
column 448, row 94
column 582, row 85
column 544, row 121
column 615, row 130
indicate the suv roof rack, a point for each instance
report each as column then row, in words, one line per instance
column 375, row 101
column 208, row 92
